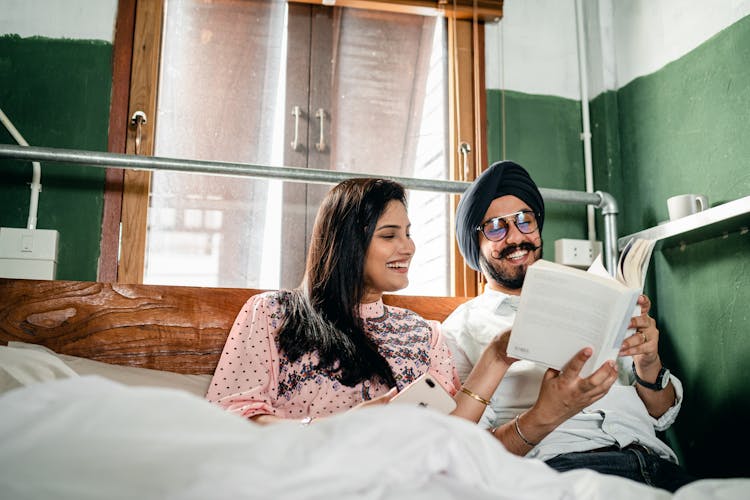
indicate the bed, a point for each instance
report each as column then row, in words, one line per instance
column 102, row 389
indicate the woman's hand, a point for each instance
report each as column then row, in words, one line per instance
column 484, row 378
column 383, row 399
column 499, row 347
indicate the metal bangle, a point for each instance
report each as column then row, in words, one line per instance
column 520, row 434
column 474, row 395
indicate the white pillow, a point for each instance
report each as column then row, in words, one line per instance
column 128, row 375
column 21, row 367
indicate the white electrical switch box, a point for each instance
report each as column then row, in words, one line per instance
column 577, row 253
column 28, row 253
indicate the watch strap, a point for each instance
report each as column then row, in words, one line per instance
column 658, row 385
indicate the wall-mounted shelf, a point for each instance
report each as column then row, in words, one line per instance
column 723, row 219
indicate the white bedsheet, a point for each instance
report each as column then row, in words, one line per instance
column 87, row 437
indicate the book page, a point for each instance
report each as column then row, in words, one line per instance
column 633, row 266
column 562, row 310
column 634, row 261
column 597, row 268
column 619, row 272
column 647, row 249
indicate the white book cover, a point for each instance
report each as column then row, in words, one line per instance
column 563, row 310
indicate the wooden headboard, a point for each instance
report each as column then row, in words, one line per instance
column 175, row 328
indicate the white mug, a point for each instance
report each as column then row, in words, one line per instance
column 686, row 204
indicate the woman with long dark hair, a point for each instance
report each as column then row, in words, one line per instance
column 332, row 344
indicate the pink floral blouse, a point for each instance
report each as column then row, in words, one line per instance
column 254, row 378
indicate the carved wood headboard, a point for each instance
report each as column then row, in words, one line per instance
column 175, row 328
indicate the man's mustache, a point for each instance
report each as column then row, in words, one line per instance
column 530, row 247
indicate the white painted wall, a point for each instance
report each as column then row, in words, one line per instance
column 650, row 34
column 533, row 48
column 73, row 19
column 600, row 46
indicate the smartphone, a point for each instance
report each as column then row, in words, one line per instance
column 427, row 392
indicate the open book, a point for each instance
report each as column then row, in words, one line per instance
column 634, row 261
column 563, row 309
column 631, row 267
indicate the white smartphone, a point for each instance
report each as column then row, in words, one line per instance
column 427, row 392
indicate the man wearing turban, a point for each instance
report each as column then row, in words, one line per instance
column 604, row 422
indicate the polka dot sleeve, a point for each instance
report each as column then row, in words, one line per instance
column 246, row 379
column 442, row 366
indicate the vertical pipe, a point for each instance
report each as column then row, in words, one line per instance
column 586, row 134
column 608, row 205
column 36, row 175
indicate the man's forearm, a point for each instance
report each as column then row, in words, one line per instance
column 656, row 402
column 522, row 433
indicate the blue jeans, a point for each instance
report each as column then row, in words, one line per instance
column 633, row 462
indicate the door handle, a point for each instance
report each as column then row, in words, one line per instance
column 464, row 149
column 138, row 120
column 321, row 115
column 296, row 113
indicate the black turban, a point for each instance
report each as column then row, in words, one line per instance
column 502, row 178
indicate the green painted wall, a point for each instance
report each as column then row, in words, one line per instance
column 605, row 150
column 542, row 134
column 57, row 93
column 685, row 129
column 682, row 129
column 703, row 299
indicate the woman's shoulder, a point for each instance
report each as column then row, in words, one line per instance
column 265, row 308
column 271, row 300
column 271, row 295
column 403, row 314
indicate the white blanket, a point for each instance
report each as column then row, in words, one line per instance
column 87, row 437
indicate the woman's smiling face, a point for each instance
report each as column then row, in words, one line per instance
column 389, row 254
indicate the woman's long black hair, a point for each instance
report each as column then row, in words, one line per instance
column 322, row 314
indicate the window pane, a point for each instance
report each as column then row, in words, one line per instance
column 390, row 118
column 223, row 96
column 218, row 100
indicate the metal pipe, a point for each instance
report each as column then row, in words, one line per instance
column 36, row 172
column 608, row 206
column 598, row 199
column 307, row 175
column 583, row 75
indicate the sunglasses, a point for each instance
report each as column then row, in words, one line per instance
column 496, row 228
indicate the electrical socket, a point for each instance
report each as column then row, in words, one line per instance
column 577, row 253
column 28, row 253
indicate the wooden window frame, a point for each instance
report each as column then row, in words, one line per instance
column 122, row 54
column 481, row 10
column 136, row 59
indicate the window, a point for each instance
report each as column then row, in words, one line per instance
column 371, row 93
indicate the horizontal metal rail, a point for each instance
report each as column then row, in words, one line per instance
column 599, row 199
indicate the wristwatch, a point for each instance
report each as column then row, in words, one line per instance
column 662, row 379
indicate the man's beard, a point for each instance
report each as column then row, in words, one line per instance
column 511, row 279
